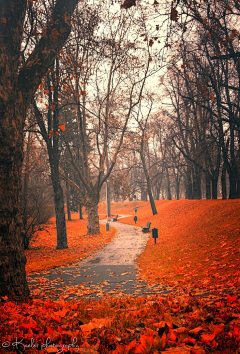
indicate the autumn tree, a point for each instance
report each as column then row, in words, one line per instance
column 51, row 130
column 19, row 81
column 218, row 47
column 107, row 83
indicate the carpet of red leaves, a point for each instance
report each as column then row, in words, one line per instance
column 197, row 253
column 198, row 245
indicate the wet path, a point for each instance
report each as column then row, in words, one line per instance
column 111, row 271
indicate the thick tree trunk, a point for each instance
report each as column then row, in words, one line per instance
column 59, row 208
column 232, row 186
column 214, row 188
column 12, row 258
column 93, row 218
column 18, row 83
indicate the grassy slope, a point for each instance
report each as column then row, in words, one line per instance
column 198, row 240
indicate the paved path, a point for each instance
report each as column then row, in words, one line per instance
column 111, row 271
column 126, row 247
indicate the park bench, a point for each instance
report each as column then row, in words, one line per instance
column 116, row 217
column 147, row 227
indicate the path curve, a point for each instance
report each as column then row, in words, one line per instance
column 110, row 271
column 126, row 247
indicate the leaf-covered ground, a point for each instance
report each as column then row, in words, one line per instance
column 198, row 245
column 43, row 255
column 197, row 253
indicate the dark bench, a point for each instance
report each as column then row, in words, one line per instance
column 116, row 217
column 147, row 227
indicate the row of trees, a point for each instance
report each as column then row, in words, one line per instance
column 193, row 146
column 102, row 79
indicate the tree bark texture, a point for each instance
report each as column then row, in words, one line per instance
column 12, row 258
column 93, row 218
column 59, row 208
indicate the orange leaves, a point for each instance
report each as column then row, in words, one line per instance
column 211, row 96
column 96, row 323
column 43, row 254
column 59, row 325
column 143, row 346
column 61, row 313
column 62, row 127
column 208, row 338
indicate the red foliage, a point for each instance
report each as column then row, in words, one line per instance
column 196, row 253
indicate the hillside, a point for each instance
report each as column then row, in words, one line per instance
column 198, row 240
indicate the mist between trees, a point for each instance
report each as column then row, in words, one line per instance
column 142, row 97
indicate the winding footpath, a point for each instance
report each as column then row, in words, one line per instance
column 111, row 271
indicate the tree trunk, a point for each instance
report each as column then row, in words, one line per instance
column 143, row 194
column 196, row 176
column 238, row 187
column 149, row 189
column 157, row 191
column 68, row 202
column 169, row 195
column 108, row 199
column 93, row 218
column 208, row 187
column 80, row 211
column 59, row 207
column 232, row 186
column 189, row 186
column 177, row 187
column 18, row 84
column 224, row 183
column 214, row 188
column 12, row 258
